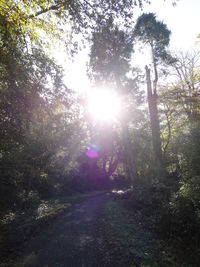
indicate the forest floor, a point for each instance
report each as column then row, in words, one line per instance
column 71, row 240
column 96, row 232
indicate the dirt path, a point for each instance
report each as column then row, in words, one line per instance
column 72, row 240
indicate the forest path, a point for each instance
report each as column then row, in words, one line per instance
column 72, row 240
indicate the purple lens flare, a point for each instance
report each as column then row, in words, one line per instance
column 93, row 154
column 93, row 151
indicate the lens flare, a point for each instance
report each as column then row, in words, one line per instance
column 104, row 105
column 92, row 154
column 93, row 151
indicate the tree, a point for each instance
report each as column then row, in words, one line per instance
column 110, row 65
column 32, row 129
column 180, row 104
column 155, row 34
column 186, row 70
column 27, row 18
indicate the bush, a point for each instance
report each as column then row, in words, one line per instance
column 149, row 197
column 185, row 211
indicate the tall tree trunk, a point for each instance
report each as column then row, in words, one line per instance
column 130, row 159
column 155, row 127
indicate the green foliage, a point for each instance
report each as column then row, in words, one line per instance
column 185, row 211
column 32, row 19
column 110, row 52
column 154, row 33
column 35, row 107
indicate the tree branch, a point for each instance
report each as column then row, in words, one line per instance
column 43, row 11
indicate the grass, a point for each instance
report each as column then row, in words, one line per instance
column 129, row 243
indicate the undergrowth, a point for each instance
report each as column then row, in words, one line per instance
column 130, row 243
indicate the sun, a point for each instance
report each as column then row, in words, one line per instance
column 103, row 104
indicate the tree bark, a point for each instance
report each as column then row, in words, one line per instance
column 154, row 120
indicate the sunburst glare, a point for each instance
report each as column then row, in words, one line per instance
column 103, row 104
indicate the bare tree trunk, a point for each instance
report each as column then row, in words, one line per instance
column 155, row 127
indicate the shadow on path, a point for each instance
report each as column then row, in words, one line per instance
column 72, row 240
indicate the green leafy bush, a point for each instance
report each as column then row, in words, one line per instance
column 185, row 211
